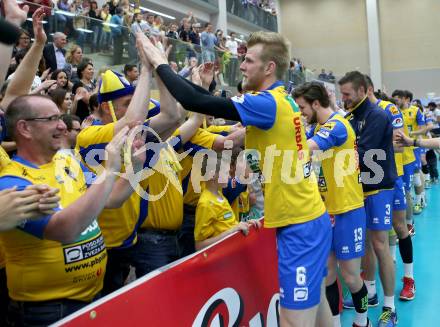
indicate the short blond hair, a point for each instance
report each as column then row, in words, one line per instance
column 275, row 48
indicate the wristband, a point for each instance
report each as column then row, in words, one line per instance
column 415, row 143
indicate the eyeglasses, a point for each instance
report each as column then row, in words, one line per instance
column 52, row 118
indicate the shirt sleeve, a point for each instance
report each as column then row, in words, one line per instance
column 331, row 134
column 33, row 227
column 203, row 226
column 256, row 109
column 395, row 116
column 420, row 119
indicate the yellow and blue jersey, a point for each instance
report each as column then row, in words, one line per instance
column 275, row 132
column 201, row 140
column 397, row 120
column 413, row 119
column 339, row 179
column 118, row 225
column 214, row 216
column 165, row 196
column 4, row 158
column 43, row 270
column 222, row 130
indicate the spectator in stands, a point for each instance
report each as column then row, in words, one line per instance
column 194, row 35
column 184, row 32
column 106, row 36
column 208, row 44
column 118, row 37
column 34, row 123
column 61, row 78
column 95, row 25
column 54, row 53
column 157, row 23
column 172, row 32
column 131, row 73
column 232, row 46
column 73, row 59
column 186, row 71
column 331, row 77
column 149, row 21
column 323, row 76
column 112, row 5
column 23, row 42
column 73, row 127
column 62, row 20
column 63, row 99
column 80, row 10
column 80, row 106
column 85, row 75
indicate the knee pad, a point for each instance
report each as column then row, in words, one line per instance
column 425, row 169
column 417, row 180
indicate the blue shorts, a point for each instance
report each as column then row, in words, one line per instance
column 349, row 234
column 423, row 150
column 408, row 175
column 378, row 210
column 399, row 203
column 303, row 250
column 417, row 154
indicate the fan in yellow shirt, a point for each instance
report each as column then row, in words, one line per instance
column 215, row 218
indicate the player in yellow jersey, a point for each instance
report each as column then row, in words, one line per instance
column 68, row 243
column 274, row 132
column 341, row 190
column 412, row 119
column 399, row 203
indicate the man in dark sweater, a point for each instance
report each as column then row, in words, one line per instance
column 374, row 136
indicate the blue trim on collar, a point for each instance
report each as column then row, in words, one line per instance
column 275, row 85
column 24, row 162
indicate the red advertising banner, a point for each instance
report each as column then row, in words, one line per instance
column 231, row 283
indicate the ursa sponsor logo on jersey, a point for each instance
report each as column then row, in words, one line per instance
column 298, row 132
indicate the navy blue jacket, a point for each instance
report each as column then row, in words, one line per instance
column 374, row 130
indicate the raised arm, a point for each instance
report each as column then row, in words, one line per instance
column 26, row 71
column 67, row 224
column 16, row 16
column 191, row 96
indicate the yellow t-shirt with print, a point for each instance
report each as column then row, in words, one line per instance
column 339, row 180
column 44, row 270
column 214, row 216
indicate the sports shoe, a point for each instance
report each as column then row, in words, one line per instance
column 388, row 318
column 411, row 229
column 369, row 324
column 417, row 210
column 373, row 302
column 408, row 290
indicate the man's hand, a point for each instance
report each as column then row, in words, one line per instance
column 37, row 23
column 146, row 65
column 148, row 51
column 49, row 199
column 18, row 206
column 113, row 150
column 13, row 13
column 206, row 72
column 403, row 140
